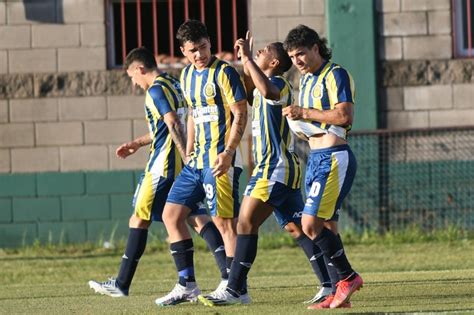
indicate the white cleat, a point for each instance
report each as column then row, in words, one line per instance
column 220, row 298
column 220, row 288
column 320, row 296
column 109, row 288
column 180, row 294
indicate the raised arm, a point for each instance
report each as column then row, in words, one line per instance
column 251, row 69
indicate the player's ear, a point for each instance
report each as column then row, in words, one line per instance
column 315, row 48
column 182, row 50
column 142, row 69
column 274, row 63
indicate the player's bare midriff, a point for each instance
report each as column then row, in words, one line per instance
column 321, row 141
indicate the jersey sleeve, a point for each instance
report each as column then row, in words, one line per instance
column 159, row 100
column 231, row 84
column 285, row 91
column 340, row 86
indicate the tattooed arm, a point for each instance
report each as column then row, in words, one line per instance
column 175, row 128
column 190, row 132
column 224, row 159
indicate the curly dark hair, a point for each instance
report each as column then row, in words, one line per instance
column 303, row 36
column 282, row 56
column 140, row 54
column 191, row 30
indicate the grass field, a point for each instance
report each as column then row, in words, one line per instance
column 417, row 277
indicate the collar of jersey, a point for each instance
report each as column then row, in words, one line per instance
column 321, row 68
column 200, row 72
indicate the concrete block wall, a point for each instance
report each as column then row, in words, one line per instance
column 421, row 31
column 41, row 36
column 269, row 25
column 70, row 133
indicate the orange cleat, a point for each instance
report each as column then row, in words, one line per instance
column 327, row 302
column 345, row 288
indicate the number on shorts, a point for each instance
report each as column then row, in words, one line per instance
column 209, row 191
column 314, row 191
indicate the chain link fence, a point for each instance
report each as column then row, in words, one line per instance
column 420, row 178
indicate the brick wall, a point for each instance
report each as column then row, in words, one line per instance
column 415, row 41
column 269, row 25
column 43, row 37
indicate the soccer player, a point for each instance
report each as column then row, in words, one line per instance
column 326, row 100
column 276, row 178
column 165, row 112
column 217, row 119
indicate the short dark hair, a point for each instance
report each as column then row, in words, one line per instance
column 303, row 36
column 191, row 30
column 140, row 54
column 282, row 56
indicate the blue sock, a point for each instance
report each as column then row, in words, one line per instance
column 332, row 247
column 245, row 253
column 136, row 244
column 183, row 252
column 214, row 242
column 316, row 259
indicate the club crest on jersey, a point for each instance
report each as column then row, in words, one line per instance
column 210, row 90
column 317, row 91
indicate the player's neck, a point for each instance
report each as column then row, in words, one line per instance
column 317, row 64
column 271, row 72
column 151, row 76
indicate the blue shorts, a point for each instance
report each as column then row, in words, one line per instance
column 150, row 197
column 222, row 193
column 288, row 203
column 329, row 176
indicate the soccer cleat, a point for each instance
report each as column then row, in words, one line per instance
column 109, row 288
column 245, row 299
column 220, row 298
column 180, row 294
column 327, row 303
column 320, row 296
column 220, row 288
column 345, row 288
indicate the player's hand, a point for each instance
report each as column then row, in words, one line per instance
column 293, row 112
column 127, row 149
column 245, row 47
column 222, row 164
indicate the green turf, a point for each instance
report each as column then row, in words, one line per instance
column 419, row 277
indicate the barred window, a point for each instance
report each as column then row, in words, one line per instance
column 154, row 23
column 463, row 28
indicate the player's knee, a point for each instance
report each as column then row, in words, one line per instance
column 310, row 231
column 246, row 227
column 198, row 222
column 138, row 223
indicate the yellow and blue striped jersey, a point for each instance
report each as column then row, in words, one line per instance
column 272, row 138
column 210, row 92
column 329, row 85
column 163, row 96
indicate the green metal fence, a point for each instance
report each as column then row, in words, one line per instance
column 422, row 178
